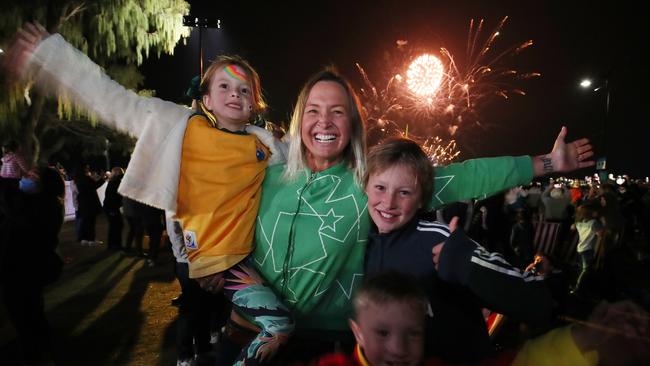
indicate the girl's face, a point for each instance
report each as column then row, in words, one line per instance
column 394, row 196
column 230, row 97
column 326, row 125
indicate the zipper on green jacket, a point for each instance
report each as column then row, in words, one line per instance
column 289, row 255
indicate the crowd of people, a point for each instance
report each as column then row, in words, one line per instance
column 322, row 248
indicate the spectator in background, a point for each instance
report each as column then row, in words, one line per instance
column 589, row 228
column 533, row 198
column 88, row 204
column 556, row 201
column 135, row 231
column 14, row 166
column 152, row 220
column 112, row 205
column 28, row 260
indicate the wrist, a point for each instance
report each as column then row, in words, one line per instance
column 542, row 165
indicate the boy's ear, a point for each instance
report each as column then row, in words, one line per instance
column 206, row 101
column 357, row 332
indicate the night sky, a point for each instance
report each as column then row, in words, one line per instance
column 288, row 41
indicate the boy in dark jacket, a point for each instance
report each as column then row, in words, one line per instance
column 468, row 277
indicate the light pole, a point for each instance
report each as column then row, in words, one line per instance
column 201, row 23
column 604, row 85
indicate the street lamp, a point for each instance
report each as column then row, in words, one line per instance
column 201, row 23
column 603, row 84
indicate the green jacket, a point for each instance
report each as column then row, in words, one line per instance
column 311, row 234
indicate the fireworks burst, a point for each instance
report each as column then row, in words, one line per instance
column 437, row 97
column 424, row 75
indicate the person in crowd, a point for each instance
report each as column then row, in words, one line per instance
column 533, row 199
column 315, row 199
column 589, row 229
column 493, row 224
column 88, row 205
column 388, row 326
column 34, row 216
column 521, row 238
column 135, row 227
column 152, row 224
column 556, row 200
column 397, row 182
column 13, row 166
column 112, row 208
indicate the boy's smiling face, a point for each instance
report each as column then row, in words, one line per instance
column 394, row 197
column 390, row 334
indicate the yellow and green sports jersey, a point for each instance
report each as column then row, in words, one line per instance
column 221, row 175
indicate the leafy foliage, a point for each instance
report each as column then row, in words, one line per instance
column 117, row 34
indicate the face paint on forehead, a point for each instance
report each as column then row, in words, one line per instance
column 234, row 73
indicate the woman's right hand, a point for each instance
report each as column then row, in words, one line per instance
column 21, row 49
column 212, row 283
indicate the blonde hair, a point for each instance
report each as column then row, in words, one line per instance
column 406, row 152
column 354, row 154
column 259, row 105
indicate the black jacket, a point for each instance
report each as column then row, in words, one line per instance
column 470, row 278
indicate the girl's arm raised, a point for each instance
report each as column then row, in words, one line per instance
column 60, row 69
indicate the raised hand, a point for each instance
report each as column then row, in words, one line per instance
column 21, row 48
column 565, row 157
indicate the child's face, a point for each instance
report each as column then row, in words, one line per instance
column 230, row 97
column 394, row 197
column 390, row 334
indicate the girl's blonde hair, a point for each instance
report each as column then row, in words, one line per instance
column 354, row 154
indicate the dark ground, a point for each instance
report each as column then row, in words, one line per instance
column 107, row 308
column 110, row 309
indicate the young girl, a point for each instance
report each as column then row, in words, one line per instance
column 589, row 229
column 204, row 168
column 398, row 183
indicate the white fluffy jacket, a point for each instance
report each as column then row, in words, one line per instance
column 153, row 172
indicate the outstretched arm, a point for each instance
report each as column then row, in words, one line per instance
column 60, row 69
column 479, row 178
column 565, row 157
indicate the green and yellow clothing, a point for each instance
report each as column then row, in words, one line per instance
column 311, row 234
column 221, row 175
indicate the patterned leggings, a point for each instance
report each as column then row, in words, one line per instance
column 261, row 306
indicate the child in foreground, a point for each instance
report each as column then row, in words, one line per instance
column 388, row 325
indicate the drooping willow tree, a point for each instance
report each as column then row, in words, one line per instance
column 117, row 34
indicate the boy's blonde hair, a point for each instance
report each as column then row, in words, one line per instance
column 354, row 154
column 259, row 105
column 390, row 287
column 405, row 152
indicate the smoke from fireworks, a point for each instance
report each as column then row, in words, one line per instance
column 437, row 99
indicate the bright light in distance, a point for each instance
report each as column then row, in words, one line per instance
column 424, row 75
column 2, row 51
column 585, row 83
